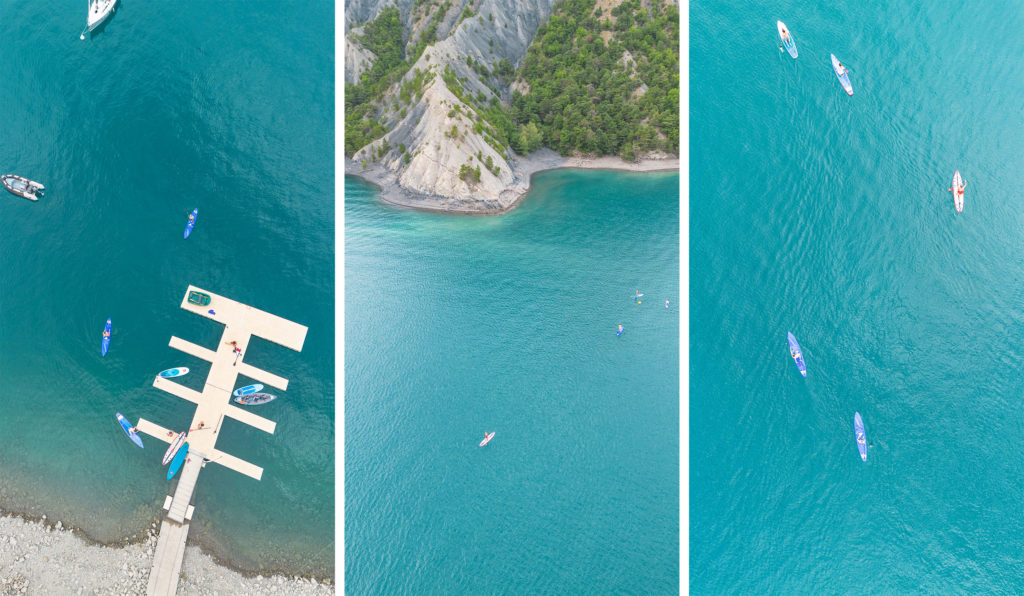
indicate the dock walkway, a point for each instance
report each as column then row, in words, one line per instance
column 213, row 404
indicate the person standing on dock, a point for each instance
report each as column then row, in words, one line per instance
column 237, row 350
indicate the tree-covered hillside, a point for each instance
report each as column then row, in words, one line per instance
column 586, row 94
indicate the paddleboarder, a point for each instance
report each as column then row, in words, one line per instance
column 963, row 185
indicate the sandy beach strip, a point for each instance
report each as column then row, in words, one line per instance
column 43, row 557
column 525, row 167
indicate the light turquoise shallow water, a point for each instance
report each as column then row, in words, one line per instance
column 226, row 107
column 828, row 216
column 456, row 325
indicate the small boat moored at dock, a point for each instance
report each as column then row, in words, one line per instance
column 198, row 298
column 23, row 187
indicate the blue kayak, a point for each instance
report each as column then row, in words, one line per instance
column 179, row 459
column 794, row 351
column 129, row 430
column 862, row 441
column 247, row 390
column 619, row 332
column 105, row 344
column 191, row 222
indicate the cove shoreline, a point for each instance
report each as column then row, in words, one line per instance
column 526, row 167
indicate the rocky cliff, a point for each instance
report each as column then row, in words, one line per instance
column 440, row 148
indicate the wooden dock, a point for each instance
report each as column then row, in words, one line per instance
column 213, row 404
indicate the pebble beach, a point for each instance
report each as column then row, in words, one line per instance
column 44, row 557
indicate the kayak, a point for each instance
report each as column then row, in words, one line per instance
column 487, row 438
column 958, row 196
column 787, row 40
column 21, row 186
column 844, row 77
column 129, row 430
column 173, row 372
column 105, row 344
column 248, row 389
column 191, row 224
column 798, row 356
column 177, row 461
column 619, row 332
column 255, row 399
column 862, row 442
column 175, row 445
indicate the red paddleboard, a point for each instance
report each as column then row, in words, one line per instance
column 487, row 438
column 175, row 445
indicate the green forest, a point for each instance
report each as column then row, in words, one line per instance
column 583, row 95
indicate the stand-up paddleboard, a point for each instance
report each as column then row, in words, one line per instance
column 619, row 332
column 247, row 390
column 177, row 461
column 794, row 351
column 170, row 373
column 958, row 191
column 787, row 38
column 862, row 441
column 192, row 223
column 844, row 77
column 487, row 438
column 105, row 344
column 129, row 430
column 254, row 399
column 175, row 445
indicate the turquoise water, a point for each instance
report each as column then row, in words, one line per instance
column 828, row 216
column 226, row 107
column 457, row 325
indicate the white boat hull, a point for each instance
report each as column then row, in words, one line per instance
column 99, row 11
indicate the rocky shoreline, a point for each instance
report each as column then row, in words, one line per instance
column 524, row 168
column 43, row 557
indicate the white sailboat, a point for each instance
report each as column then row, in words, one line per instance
column 99, row 11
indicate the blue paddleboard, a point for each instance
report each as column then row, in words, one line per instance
column 862, row 440
column 105, row 344
column 787, row 38
column 129, row 430
column 247, row 390
column 844, row 78
column 191, row 224
column 174, row 372
column 177, row 461
column 794, row 351
column 619, row 332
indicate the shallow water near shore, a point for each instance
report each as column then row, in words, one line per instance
column 457, row 325
column 828, row 216
column 228, row 108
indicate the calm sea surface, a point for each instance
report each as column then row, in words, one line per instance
column 457, row 325
column 227, row 107
column 828, row 216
